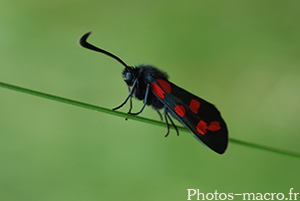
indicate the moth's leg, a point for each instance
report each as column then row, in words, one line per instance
column 145, row 101
column 167, row 116
column 129, row 96
column 175, row 127
column 130, row 103
column 161, row 118
column 167, row 123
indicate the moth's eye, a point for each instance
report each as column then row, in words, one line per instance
column 128, row 76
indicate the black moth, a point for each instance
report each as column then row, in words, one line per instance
column 151, row 85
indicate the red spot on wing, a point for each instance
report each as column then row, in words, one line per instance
column 202, row 126
column 194, row 106
column 179, row 109
column 157, row 90
column 164, row 85
column 214, row 126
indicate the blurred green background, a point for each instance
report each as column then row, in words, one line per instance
column 243, row 56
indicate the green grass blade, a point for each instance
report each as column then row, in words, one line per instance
column 133, row 117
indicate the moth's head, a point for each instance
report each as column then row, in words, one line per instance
column 129, row 75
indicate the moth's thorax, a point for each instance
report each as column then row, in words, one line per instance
column 149, row 72
column 144, row 76
column 144, row 73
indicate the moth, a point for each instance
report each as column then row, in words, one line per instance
column 148, row 83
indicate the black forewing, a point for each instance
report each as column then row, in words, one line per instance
column 216, row 140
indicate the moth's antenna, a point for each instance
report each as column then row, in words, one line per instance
column 84, row 43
